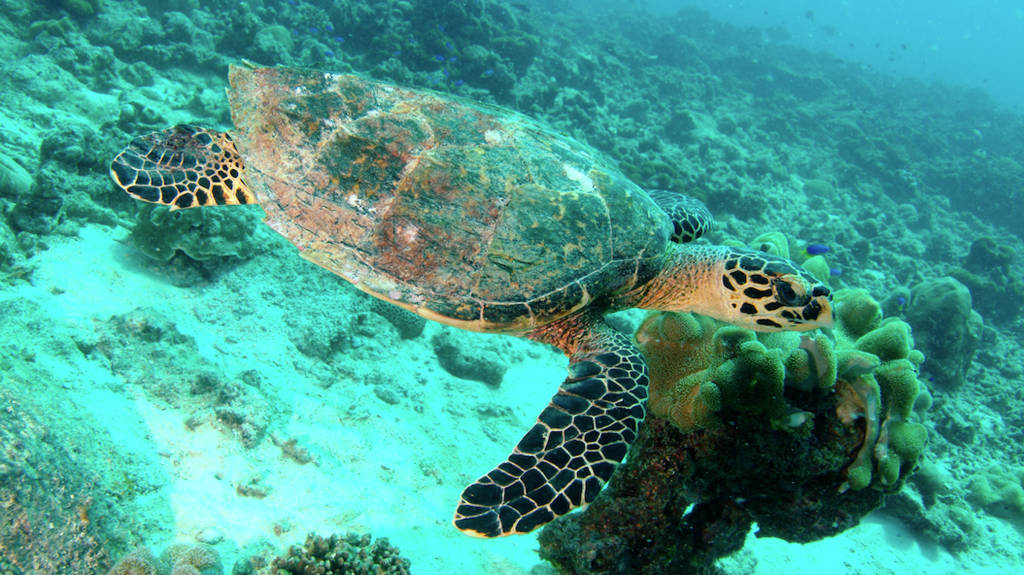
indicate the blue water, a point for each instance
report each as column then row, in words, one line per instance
column 973, row 44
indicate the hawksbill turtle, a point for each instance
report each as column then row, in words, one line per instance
column 480, row 218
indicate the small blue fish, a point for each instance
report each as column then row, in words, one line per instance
column 449, row 45
column 835, row 272
column 439, row 58
column 488, row 72
column 459, row 82
column 817, row 249
column 901, row 304
column 339, row 39
column 329, row 53
column 314, row 30
column 445, row 72
column 451, row 58
column 329, row 27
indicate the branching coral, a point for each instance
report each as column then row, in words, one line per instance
column 352, row 554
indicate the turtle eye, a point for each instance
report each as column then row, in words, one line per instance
column 787, row 294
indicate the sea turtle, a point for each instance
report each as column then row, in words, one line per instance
column 480, row 218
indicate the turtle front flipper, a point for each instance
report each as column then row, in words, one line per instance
column 691, row 219
column 183, row 167
column 572, row 450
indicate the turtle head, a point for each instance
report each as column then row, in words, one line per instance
column 748, row 288
column 764, row 292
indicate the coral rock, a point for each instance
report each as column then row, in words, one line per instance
column 352, row 554
column 946, row 328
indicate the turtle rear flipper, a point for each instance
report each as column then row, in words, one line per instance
column 570, row 453
column 183, row 167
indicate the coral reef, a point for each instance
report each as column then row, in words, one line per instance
column 192, row 559
column 772, row 242
column 201, row 235
column 667, row 97
column 352, row 554
column 12, row 262
column 877, row 383
column 64, row 191
column 478, row 363
column 139, row 562
column 325, row 328
column 740, row 474
column 15, row 180
column 949, row 522
column 49, row 509
column 700, row 367
column 785, row 431
column 1000, row 491
column 996, row 291
column 946, row 328
column 242, row 408
column 77, row 8
column 177, row 559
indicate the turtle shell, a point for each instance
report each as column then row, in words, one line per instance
column 462, row 212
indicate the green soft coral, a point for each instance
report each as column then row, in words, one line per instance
column 720, row 367
column 1000, row 491
column 856, row 313
column 701, row 369
column 774, row 243
column 819, row 268
column 886, row 364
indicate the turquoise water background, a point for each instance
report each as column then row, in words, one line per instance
column 959, row 43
